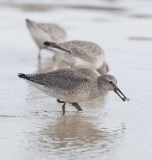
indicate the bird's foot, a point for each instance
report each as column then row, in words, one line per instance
column 73, row 66
column 76, row 105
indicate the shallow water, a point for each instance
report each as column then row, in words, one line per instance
column 32, row 125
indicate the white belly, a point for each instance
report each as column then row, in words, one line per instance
column 80, row 63
column 77, row 62
column 66, row 98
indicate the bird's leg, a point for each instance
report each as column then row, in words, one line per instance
column 39, row 65
column 63, row 108
column 76, row 105
column 72, row 66
column 54, row 58
column 60, row 101
column 39, row 54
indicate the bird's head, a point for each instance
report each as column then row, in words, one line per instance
column 110, row 83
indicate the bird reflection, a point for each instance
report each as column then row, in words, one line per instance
column 95, row 103
column 76, row 134
column 48, row 65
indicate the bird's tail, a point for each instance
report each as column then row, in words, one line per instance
column 48, row 44
column 28, row 21
column 51, row 44
column 26, row 76
column 103, row 69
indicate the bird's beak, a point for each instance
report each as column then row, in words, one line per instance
column 117, row 91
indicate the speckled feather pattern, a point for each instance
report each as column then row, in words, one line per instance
column 85, row 50
column 77, row 82
column 72, row 84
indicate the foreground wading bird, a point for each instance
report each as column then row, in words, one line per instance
column 80, row 54
column 42, row 32
column 74, row 85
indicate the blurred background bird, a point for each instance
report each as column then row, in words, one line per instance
column 80, row 54
column 42, row 32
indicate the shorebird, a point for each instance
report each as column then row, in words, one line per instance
column 74, row 85
column 42, row 32
column 80, row 54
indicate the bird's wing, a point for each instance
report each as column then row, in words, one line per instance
column 66, row 79
column 87, row 51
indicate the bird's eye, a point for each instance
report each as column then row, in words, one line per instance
column 110, row 82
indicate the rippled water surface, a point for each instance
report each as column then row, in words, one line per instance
column 31, row 123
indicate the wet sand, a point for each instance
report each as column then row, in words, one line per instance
column 32, row 125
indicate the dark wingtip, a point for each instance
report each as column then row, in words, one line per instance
column 27, row 20
column 47, row 43
column 21, row 75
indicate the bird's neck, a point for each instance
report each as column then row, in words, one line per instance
column 102, row 85
column 99, row 88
